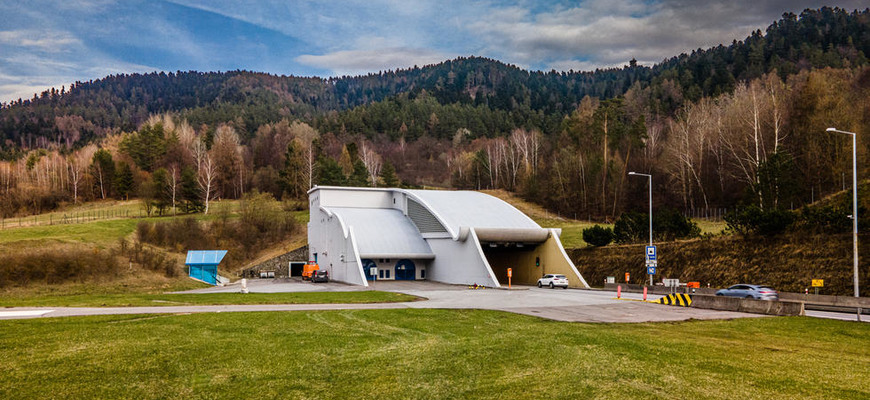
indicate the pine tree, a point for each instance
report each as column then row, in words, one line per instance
column 330, row 172
column 360, row 175
column 191, row 196
column 388, row 176
column 124, row 180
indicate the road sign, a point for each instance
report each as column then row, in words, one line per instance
column 818, row 282
column 650, row 253
column 373, row 271
column 651, row 270
column 651, row 263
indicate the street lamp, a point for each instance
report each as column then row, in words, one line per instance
column 649, row 178
column 854, row 208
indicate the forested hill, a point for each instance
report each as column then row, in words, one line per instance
column 817, row 38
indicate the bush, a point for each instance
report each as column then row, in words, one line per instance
column 631, row 227
column 754, row 220
column 598, row 236
column 55, row 265
column 670, row 224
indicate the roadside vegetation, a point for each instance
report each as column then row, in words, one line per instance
column 104, row 248
column 429, row 354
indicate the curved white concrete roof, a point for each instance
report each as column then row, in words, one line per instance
column 472, row 209
column 383, row 233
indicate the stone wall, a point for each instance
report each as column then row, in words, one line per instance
column 280, row 264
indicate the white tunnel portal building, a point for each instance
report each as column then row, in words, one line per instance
column 464, row 237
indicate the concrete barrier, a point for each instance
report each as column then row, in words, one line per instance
column 767, row 307
column 839, row 301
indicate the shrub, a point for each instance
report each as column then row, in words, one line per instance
column 631, row 227
column 754, row 220
column 598, row 236
column 55, row 265
column 670, row 224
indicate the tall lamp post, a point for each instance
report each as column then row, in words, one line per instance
column 854, row 208
column 649, row 179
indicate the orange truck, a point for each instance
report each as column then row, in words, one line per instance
column 308, row 270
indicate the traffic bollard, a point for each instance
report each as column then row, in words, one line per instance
column 619, row 291
column 644, row 293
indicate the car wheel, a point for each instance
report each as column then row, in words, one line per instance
column 750, row 297
column 564, row 287
column 539, row 284
column 551, row 285
column 719, row 294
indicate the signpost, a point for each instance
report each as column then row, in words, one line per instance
column 817, row 283
column 510, row 274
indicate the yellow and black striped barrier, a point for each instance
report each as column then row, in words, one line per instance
column 679, row 299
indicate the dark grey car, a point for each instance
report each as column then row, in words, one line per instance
column 757, row 292
column 320, row 276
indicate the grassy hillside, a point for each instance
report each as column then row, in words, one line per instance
column 788, row 262
column 63, row 245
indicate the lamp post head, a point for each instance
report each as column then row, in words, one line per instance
column 632, row 173
column 831, row 130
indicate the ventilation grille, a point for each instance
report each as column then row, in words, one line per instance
column 423, row 219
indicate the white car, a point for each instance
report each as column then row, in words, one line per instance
column 553, row 280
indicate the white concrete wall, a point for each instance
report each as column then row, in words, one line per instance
column 335, row 248
column 460, row 262
column 374, row 198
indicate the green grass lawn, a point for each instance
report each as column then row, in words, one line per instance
column 186, row 299
column 429, row 354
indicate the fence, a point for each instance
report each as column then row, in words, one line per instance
column 707, row 214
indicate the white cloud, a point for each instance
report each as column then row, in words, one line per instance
column 351, row 62
column 40, row 40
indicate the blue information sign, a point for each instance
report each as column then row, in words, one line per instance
column 650, row 253
column 651, row 270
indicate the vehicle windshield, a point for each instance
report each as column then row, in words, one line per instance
column 560, row 276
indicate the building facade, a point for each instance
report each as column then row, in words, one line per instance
column 361, row 235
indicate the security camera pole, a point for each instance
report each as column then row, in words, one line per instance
column 649, row 179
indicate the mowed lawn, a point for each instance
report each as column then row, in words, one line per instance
column 429, row 354
column 185, row 299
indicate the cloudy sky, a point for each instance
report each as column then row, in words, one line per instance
column 52, row 43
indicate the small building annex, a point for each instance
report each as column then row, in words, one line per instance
column 462, row 237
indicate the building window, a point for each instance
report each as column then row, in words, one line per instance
column 387, row 273
column 381, row 273
column 422, row 274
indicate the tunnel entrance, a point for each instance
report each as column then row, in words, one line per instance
column 523, row 258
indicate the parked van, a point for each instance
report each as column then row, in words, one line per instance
column 308, row 270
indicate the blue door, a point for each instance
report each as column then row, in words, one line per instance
column 405, row 270
column 367, row 269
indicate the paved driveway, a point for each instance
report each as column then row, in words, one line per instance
column 557, row 304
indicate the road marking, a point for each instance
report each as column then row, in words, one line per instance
column 25, row 313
